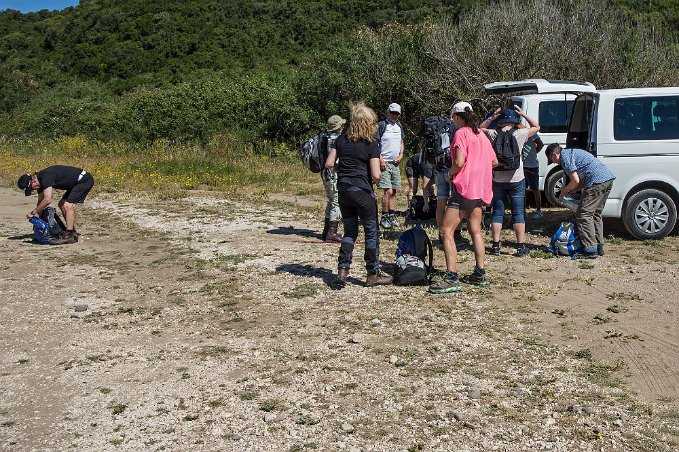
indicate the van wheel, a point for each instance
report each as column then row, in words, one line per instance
column 650, row 214
column 553, row 184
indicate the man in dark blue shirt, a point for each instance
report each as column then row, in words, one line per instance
column 589, row 174
column 76, row 181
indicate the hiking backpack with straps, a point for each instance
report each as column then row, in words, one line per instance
column 48, row 226
column 565, row 241
column 314, row 152
column 414, row 247
column 436, row 140
column 507, row 150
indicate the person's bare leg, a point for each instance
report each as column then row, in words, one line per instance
column 474, row 227
column 495, row 229
column 450, row 221
column 538, row 198
column 520, row 231
column 385, row 200
column 68, row 210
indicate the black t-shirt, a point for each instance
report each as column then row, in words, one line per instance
column 353, row 169
column 60, row 177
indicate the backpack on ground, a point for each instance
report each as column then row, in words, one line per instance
column 436, row 131
column 565, row 241
column 413, row 248
column 48, row 227
column 507, row 150
column 416, row 206
column 314, row 152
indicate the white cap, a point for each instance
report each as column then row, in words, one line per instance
column 396, row 108
column 461, row 106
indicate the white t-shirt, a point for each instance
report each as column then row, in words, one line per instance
column 516, row 175
column 391, row 141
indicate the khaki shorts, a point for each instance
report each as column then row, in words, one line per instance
column 391, row 177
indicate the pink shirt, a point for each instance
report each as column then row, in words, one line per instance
column 475, row 179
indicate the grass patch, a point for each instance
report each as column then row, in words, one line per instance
column 117, row 408
column 623, row 296
column 302, row 291
column 616, row 309
column 270, row 405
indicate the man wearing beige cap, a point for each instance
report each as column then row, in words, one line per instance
column 390, row 133
column 333, row 216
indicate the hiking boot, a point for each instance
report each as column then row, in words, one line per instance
column 385, row 222
column 600, row 249
column 521, row 250
column 379, row 278
column 68, row 237
column 495, row 250
column 476, row 279
column 448, row 284
column 537, row 215
column 332, row 235
column 342, row 275
column 326, row 225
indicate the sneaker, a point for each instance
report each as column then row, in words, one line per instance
column 495, row 250
column 342, row 275
column 522, row 251
column 476, row 279
column 585, row 255
column 600, row 249
column 378, row 278
column 449, row 284
column 537, row 214
column 385, row 222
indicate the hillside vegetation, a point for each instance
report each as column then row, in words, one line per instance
column 266, row 73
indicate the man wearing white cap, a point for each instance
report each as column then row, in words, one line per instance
column 390, row 133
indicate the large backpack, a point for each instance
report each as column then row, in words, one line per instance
column 413, row 248
column 417, row 206
column 507, row 150
column 565, row 241
column 436, row 138
column 314, row 152
column 48, row 227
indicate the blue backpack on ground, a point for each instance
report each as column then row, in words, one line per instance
column 48, row 227
column 565, row 241
column 414, row 247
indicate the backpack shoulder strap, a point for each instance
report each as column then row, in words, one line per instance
column 381, row 128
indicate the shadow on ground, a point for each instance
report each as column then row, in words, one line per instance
column 295, row 231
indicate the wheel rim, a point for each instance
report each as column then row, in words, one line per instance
column 558, row 185
column 651, row 215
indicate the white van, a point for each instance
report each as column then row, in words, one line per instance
column 635, row 132
column 550, row 103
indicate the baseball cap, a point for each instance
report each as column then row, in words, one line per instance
column 335, row 122
column 461, row 106
column 509, row 115
column 24, row 183
column 394, row 108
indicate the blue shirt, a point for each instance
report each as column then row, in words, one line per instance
column 589, row 168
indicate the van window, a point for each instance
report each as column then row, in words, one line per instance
column 646, row 118
column 553, row 116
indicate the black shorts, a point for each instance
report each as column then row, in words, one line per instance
column 78, row 193
column 424, row 170
column 459, row 202
column 532, row 176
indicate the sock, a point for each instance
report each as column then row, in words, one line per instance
column 496, row 244
column 452, row 275
column 392, row 212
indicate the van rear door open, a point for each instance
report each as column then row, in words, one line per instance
column 539, row 86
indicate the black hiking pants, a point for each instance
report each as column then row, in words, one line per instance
column 359, row 205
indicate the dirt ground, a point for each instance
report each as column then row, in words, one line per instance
column 214, row 324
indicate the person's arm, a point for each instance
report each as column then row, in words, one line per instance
column 400, row 154
column 533, row 126
column 572, row 186
column 44, row 200
column 458, row 162
column 484, row 125
column 426, row 185
column 375, row 171
column 332, row 158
